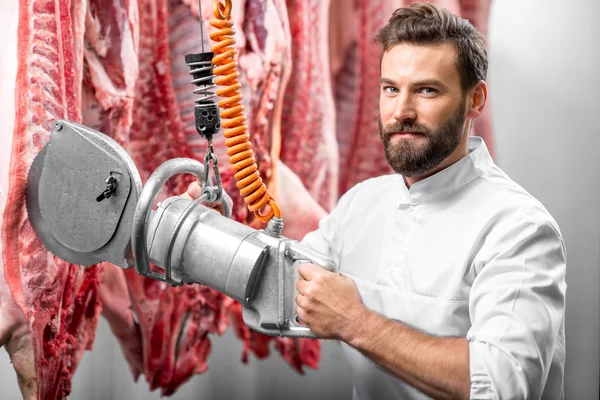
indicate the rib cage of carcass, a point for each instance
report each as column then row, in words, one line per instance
column 310, row 88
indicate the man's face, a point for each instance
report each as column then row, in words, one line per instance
column 422, row 107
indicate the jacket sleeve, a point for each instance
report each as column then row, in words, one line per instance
column 517, row 306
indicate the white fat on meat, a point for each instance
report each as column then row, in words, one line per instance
column 14, row 333
column 9, row 13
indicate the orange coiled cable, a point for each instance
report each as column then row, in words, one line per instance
column 239, row 148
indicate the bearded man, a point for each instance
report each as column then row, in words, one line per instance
column 452, row 280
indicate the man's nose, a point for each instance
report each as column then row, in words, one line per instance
column 404, row 109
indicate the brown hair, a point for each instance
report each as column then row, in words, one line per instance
column 426, row 23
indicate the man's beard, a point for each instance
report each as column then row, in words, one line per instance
column 409, row 157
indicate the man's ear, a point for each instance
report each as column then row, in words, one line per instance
column 478, row 98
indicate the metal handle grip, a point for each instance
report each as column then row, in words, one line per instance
column 149, row 193
column 296, row 254
column 301, row 252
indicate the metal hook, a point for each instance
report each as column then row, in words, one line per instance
column 214, row 193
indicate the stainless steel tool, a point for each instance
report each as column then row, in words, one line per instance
column 86, row 204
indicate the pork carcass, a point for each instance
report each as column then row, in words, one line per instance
column 109, row 42
column 14, row 332
column 58, row 301
column 361, row 151
column 354, row 61
column 308, row 123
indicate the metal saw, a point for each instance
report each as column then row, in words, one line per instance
column 86, row 204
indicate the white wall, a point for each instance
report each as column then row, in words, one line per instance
column 545, row 88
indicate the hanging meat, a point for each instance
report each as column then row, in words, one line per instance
column 58, row 301
column 107, row 64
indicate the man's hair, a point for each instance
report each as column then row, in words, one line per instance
column 428, row 24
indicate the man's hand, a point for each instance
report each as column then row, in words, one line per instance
column 328, row 303
column 194, row 191
column 331, row 305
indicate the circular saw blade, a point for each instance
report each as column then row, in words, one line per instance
column 38, row 224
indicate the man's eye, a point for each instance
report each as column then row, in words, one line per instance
column 390, row 89
column 429, row 90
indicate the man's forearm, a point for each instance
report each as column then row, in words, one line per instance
column 439, row 367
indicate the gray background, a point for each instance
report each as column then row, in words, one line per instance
column 544, row 88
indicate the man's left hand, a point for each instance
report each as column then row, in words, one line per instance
column 328, row 303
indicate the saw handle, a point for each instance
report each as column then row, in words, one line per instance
column 296, row 255
column 142, row 211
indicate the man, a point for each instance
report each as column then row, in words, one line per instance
column 452, row 276
column 452, row 279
